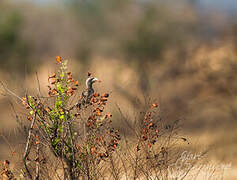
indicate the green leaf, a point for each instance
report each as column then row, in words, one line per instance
column 59, row 103
column 62, row 117
column 61, row 129
column 54, row 143
column 38, row 111
column 62, row 75
column 87, row 149
column 78, row 164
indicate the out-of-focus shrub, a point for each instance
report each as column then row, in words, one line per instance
column 13, row 49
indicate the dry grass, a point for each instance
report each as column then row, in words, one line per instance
column 67, row 141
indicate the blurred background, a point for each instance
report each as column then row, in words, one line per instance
column 182, row 54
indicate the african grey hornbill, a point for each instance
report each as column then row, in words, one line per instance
column 88, row 93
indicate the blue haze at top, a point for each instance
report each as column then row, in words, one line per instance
column 226, row 6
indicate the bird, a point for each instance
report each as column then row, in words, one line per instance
column 88, row 92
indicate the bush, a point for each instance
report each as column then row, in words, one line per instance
column 67, row 140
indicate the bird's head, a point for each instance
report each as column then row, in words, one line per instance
column 91, row 80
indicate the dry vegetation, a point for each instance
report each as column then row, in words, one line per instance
column 68, row 140
column 181, row 55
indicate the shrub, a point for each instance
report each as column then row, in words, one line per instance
column 67, row 140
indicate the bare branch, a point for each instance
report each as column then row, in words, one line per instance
column 37, row 161
column 10, row 92
column 38, row 84
column 7, row 142
column 27, row 148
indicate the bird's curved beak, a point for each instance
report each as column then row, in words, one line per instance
column 96, row 80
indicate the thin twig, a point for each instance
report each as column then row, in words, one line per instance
column 125, row 119
column 10, row 92
column 38, row 84
column 27, row 148
column 7, row 142
column 72, row 144
column 37, row 170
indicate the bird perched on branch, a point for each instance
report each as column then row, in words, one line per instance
column 88, row 93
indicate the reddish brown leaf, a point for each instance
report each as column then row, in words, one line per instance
column 98, row 113
column 29, row 118
column 93, row 150
column 53, row 76
column 76, row 83
column 104, row 99
column 54, row 81
column 47, row 109
column 4, row 174
column 59, row 59
column 106, row 95
column 108, row 115
column 96, row 94
column 144, row 137
column 5, row 163
column 78, row 147
column 150, row 125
